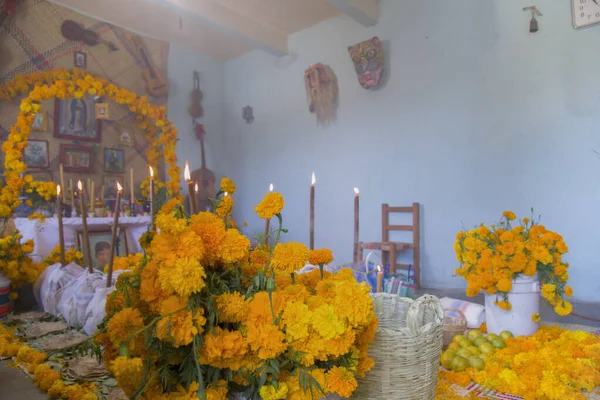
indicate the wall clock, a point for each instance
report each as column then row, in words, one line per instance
column 585, row 12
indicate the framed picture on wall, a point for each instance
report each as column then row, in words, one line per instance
column 114, row 161
column 110, row 185
column 80, row 59
column 40, row 122
column 100, row 245
column 76, row 158
column 75, row 119
column 36, row 155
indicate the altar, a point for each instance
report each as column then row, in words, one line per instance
column 45, row 234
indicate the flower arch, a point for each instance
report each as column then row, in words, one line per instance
column 160, row 132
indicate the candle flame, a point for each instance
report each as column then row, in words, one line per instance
column 119, row 187
column 314, row 180
column 356, row 191
column 151, row 172
column 58, row 190
column 225, row 194
column 79, row 185
column 196, row 187
column 379, row 268
column 271, row 187
column 186, row 172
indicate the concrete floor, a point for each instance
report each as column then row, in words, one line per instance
column 15, row 385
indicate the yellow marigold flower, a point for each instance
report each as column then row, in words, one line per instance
column 235, row 247
column 563, row 308
column 170, row 225
column 225, row 207
column 228, row 186
column 526, row 221
column 185, row 277
column 269, row 392
column 509, row 215
column 353, row 302
column 223, row 349
column 505, row 305
column 44, row 380
column 569, row 291
column 260, row 255
column 289, row 257
column 341, row 381
column 320, row 256
column 55, row 391
column 231, row 307
column 266, row 340
column 270, row 205
column 535, row 317
column 504, row 285
column 211, row 230
column 327, row 323
column 549, row 291
column 122, row 366
column 123, row 324
column 296, row 319
column 178, row 328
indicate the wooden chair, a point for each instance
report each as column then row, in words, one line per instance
column 389, row 250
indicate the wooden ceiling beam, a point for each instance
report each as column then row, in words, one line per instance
column 365, row 12
column 228, row 22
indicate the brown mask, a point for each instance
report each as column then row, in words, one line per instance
column 369, row 62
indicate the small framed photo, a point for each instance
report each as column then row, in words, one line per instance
column 76, row 158
column 110, row 185
column 35, row 155
column 102, row 111
column 40, row 122
column 100, row 245
column 80, row 59
column 114, row 161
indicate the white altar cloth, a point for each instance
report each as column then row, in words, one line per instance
column 45, row 234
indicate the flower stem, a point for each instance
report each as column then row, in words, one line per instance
column 321, row 270
column 293, row 278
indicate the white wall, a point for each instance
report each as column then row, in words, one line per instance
column 477, row 116
column 182, row 63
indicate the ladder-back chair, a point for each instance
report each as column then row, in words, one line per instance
column 389, row 249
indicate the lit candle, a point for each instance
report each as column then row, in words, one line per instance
column 312, row 213
column 379, row 279
column 61, row 233
column 131, row 186
column 86, row 237
column 356, row 250
column 151, row 191
column 191, row 189
column 62, row 183
column 268, row 222
column 72, row 197
column 115, row 230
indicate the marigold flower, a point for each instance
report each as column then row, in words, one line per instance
column 341, row 381
column 227, row 186
column 289, row 257
column 535, row 317
column 269, row 392
column 225, row 207
column 509, row 215
column 569, row 291
column 320, row 256
column 270, row 205
column 563, row 308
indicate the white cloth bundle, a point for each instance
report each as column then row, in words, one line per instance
column 95, row 313
column 49, row 285
column 77, row 295
column 475, row 313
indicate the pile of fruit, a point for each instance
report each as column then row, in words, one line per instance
column 472, row 350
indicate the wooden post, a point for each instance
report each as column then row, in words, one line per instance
column 312, row 213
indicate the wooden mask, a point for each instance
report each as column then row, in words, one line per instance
column 369, row 62
column 322, row 92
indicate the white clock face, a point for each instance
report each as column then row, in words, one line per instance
column 585, row 12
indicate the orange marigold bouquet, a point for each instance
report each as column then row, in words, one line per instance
column 202, row 315
column 15, row 260
column 492, row 257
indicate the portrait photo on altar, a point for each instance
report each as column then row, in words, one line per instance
column 76, row 158
column 100, row 244
column 76, row 119
column 36, row 155
column 110, row 185
column 114, row 161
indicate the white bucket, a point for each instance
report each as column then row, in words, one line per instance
column 525, row 300
column 4, row 292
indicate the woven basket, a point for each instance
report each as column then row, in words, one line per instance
column 406, row 349
column 453, row 325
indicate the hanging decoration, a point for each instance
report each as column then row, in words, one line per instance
column 533, row 24
column 369, row 62
column 322, row 92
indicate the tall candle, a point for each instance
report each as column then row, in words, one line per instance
column 196, row 195
column 62, row 183
column 151, row 192
column 89, row 190
column 92, row 197
column 191, row 191
column 72, row 197
column 356, row 197
column 131, row 186
column 312, row 213
column 86, row 237
column 61, row 233
column 379, row 279
column 102, row 195
column 268, row 222
column 115, row 230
